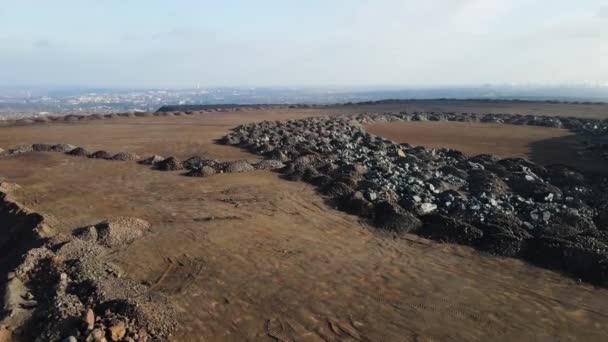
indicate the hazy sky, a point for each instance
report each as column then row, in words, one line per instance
column 160, row 43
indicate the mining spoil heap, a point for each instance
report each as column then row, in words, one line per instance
column 170, row 235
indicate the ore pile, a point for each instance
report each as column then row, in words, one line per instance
column 553, row 216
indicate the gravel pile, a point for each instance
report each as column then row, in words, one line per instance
column 125, row 156
column 269, row 165
column 549, row 215
column 236, row 166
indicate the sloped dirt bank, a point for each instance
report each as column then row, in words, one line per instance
column 58, row 286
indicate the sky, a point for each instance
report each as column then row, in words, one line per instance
column 182, row 43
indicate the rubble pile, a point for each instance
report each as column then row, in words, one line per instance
column 554, row 216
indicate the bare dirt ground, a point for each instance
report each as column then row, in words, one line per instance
column 589, row 111
column 542, row 145
column 254, row 257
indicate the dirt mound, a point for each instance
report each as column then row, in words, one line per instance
column 169, row 164
column 8, row 187
column 125, row 156
column 62, row 289
column 79, row 152
column 237, row 166
column 120, row 231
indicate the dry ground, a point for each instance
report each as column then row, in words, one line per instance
column 540, row 144
column 254, row 257
column 590, row 111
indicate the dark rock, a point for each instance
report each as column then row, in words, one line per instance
column 503, row 244
column 356, row 204
column 79, row 152
column 447, row 229
column 101, row 155
column 337, row 190
column 391, row 217
column 205, row 171
column 169, row 164
column 482, row 181
column 42, row 147
column 193, row 163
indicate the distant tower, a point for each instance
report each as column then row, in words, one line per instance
column 198, row 86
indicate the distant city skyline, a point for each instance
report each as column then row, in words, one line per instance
column 270, row 43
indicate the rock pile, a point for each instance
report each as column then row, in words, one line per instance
column 101, row 155
column 548, row 215
column 79, row 152
column 152, row 161
column 169, row 164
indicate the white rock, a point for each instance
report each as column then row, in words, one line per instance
column 417, row 198
column 529, row 178
column 427, row 208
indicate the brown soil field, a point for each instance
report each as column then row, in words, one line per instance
column 539, row 144
column 590, row 111
column 255, row 257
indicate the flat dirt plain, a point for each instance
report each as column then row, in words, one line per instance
column 253, row 257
